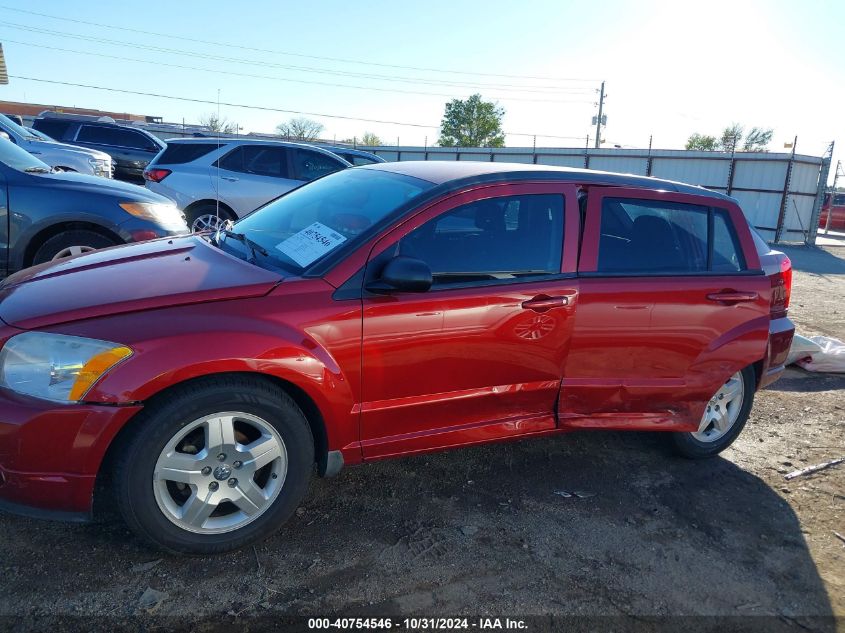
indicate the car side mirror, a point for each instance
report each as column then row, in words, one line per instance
column 402, row 274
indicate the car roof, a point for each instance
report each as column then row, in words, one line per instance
column 457, row 173
column 223, row 140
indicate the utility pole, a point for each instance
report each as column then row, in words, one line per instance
column 832, row 196
column 598, row 119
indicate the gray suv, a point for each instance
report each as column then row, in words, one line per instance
column 217, row 179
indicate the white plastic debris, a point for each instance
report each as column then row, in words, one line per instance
column 830, row 357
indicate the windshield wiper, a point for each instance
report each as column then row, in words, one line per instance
column 37, row 170
column 254, row 247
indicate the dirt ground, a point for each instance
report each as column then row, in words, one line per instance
column 482, row 531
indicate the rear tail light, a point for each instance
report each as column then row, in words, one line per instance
column 781, row 287
column 156, row 175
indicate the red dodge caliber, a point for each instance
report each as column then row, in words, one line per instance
column 379, row 311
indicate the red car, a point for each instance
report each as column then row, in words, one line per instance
column 379, row 311
column 836, row 212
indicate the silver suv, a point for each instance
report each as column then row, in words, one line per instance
column 57, row 155
column 217, row 179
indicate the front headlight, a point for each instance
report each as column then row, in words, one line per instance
column 55, row 366
column 165, row 215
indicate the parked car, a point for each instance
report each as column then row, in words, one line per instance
column 218, row 179
column 51, row 215
column 379, row 311
column 835, row 210
column 58, row 155
column 130, row 148
column 354, row 157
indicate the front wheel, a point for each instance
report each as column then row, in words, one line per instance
column 215, row 466
column 723, row 419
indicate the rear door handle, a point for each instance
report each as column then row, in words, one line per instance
column 732, row 296
column 545, row 303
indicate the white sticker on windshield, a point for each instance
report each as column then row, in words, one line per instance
column 311, row 243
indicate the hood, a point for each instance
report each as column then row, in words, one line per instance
column 144, row 276
column 64, row 147
column 97, row 185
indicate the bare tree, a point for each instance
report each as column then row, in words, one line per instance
column 217, row 123
column 370, row 140
column 300, row 129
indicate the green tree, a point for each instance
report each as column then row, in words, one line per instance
column 731, row 137
column 758, row 140
column 370, row 140
column 702, row 142
column 300, row 129
column 472, row 122
column 218, row 124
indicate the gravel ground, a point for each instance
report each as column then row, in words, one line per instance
column 482, row 530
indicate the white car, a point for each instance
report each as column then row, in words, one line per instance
column 213, row 180
column 57, row 155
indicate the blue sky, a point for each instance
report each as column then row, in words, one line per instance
column 672, row 68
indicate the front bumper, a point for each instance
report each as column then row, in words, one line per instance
column 50, row 453
column 781, row 332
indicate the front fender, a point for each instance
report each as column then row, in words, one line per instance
column 178, row 344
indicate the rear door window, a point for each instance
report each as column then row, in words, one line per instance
column 261, row 160
column 650, row 237
column 53, row 128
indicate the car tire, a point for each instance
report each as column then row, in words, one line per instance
column 197, row 217
column 70, row 243
column 150, row 505
column 695, row 445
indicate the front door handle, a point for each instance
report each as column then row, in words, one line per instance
column 229, row 178
column 544, row 302
column 732, row 296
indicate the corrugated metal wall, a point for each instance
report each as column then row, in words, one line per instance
column 778, row 192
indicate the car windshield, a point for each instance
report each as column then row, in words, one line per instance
column 13, row 128
column 13, row 156
column 303, row 226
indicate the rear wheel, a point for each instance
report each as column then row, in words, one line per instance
column 217, row 465
column 723, row 420
column 70, row 244
column 207, row 217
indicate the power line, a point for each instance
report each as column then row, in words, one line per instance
column 251, row 62
column 256, row 107
column 290, row 54
column 300, row 81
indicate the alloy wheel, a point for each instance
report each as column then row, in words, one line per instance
column 220, row 472
column 722, row 410
column 70, row 251
column 208, row 222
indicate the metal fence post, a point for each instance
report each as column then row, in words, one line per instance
column 785, row 197
column 824, row 170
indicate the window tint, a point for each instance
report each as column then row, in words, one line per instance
column 311, row 165
column 116, row 136
column 663, row 238
column 52, row 128
column 180, row 153
column 495, row 239
column 727, row 253
column 233, row 161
